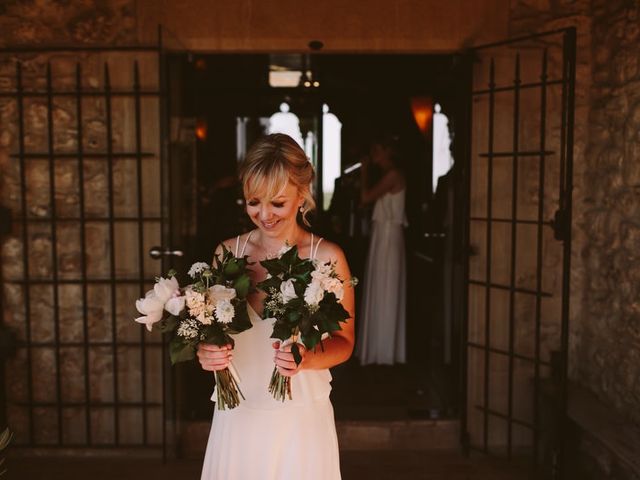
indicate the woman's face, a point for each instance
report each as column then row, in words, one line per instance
column 277, row 214
column 380, row 155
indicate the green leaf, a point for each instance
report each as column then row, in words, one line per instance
column 290, row 256
column 242, row 284
column 274, row 266
column 180, row 351
column 267, row 284
column 312, row 339
column 281, row 331
column 167, row 324
column 216, row 336
column 232, row 268
column 241, row 320
column 293, row 316
column 295, row 350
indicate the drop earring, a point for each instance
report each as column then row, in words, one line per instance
column 301, row 208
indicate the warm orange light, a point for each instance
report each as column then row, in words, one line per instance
column 201, row 130
column 422, row 109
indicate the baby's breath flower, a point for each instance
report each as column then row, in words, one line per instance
column 188, row 329
column 197, row 268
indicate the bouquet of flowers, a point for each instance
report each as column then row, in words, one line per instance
column 304, row 298
column 210, row 310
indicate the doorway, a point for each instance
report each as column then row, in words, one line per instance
column 333, row 105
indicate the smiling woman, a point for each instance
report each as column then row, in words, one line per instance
column 277, row 169
column 302, row 441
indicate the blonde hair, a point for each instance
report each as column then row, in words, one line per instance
column 272, row 162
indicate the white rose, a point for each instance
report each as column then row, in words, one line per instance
column 287, row 290
column 175, row 305
column 151, row 307
column 165, row 288
column 220, row 292
column 334, row 285
column 313, row 293
column 322, row 268
column 225, row 311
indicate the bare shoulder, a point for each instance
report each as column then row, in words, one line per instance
column 230, row 243
column 396, row 175
column 329, row 251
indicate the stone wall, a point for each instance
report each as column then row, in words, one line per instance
column 608, row 355
column 605, row 307
column 89, row 373
column 57, row 22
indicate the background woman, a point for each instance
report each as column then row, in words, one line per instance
column 381, row 339
column 264, row 438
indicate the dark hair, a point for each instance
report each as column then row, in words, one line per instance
column 391, row 141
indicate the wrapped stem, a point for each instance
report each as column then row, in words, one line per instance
column 280, row 386
column 228, row 390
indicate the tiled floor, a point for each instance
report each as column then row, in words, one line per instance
column 355, row 466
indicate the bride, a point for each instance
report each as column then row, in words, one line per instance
column 264, row 438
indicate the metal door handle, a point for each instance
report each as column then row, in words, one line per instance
column 158, row 252
column 435, row 235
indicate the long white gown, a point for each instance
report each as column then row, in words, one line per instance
column 381, row 338
column 267, row 439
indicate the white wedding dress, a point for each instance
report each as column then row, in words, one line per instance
column 381, row 337
column 267, row 439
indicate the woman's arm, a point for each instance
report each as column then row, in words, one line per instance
column 339, row 347
column 384, row 185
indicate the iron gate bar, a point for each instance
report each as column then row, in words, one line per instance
column 25, row 247
column 24, row 221
column 54, row 249
column 538, row 307
column 86, row 219
column 465, row 253
column 74, row 155
column 72, row 94
column 517, row 154
column 514, row 215
column 92, row 344
column 508, row 220
column 487, row 305
column 163, row 112
column 569, row 69
column 143, row 360
column 506, row 352
column 92, row 404
column 112, row 259
column 510, row 88
column 95, row 281
column 74, row 48
column 83, row 251
column 522, row 38
column 495, row 413
column 509, row 288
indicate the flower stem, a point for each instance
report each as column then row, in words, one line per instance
column 228, row 390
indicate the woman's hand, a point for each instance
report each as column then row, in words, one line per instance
column 214, row 358
column 284, row 359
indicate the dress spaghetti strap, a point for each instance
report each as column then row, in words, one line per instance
column 314, row 250
column 244, row 246
column 237, row 245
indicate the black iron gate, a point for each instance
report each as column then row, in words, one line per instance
column 519, row 234
column 83, row 173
